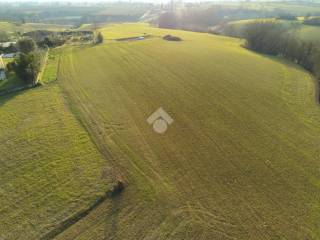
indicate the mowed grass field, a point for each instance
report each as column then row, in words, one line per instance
column 240, row 161
column 49, row 167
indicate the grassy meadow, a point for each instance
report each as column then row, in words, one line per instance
column 27, row 27
column 240, row 161
column 50, row 169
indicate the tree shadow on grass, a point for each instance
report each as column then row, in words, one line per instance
column 8, row 96
column 112, row 219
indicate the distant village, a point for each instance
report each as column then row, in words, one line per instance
column 43, row 39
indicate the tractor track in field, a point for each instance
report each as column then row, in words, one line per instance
column 100, row 132
column 126, row 115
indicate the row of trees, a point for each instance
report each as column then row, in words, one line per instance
column 315, row 21
column 274, row 39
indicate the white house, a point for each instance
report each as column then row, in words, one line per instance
column 2, row 70
column 8, row 55
column 7, row 44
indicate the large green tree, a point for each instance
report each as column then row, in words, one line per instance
column 26, row 45
column 27, row 66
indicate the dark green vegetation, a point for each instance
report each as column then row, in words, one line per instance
column 274, row 39
column 99, row 38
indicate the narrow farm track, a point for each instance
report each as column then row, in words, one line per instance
column 240, row 160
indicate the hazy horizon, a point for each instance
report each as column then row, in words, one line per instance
column 148, row 1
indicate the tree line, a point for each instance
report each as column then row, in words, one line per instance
column 275, row 39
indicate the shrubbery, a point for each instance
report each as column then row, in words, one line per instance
column 26, row 45
column 52, row 42
column 99, row 38
column 172, row 38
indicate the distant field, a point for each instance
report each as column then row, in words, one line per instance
column 240, row 161
column 296, row 8
column 13, row 27
column 310, row 33
column 304, row 32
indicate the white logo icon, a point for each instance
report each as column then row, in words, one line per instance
column 160, row 120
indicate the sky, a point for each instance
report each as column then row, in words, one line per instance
column 155, row 1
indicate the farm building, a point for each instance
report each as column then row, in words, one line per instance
column 8, row 55
column 2, row 70
column 7, row 44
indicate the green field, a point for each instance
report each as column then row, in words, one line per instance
column 50, row 169
column 240, row 161
column 309, row 33
column 51, row 69
column 27, row 27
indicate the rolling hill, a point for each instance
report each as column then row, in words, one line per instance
column 50, row 169
column 240, row 161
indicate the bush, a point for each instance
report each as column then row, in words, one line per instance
column 116, row 189
column 172, row 38
column 52, row 42
column 99, row 38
